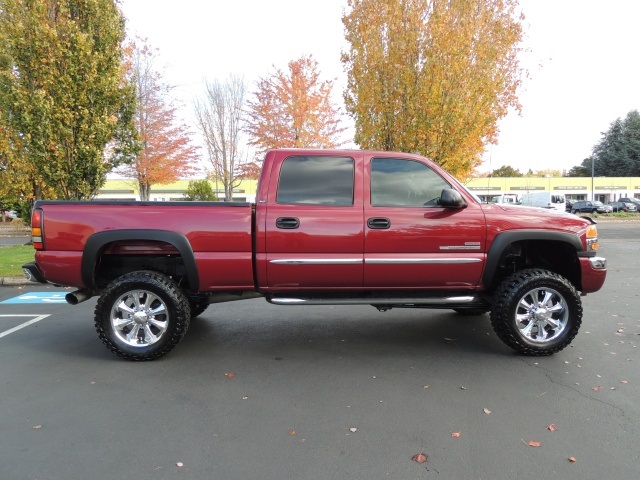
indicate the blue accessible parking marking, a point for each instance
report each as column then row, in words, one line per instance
column 38, row 297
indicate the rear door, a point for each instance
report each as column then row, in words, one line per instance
column 314, row 224
column 412, row 242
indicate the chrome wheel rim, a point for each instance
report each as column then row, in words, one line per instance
column 542, row 315
column 139, row 318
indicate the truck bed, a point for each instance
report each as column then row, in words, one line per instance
column 217, row 233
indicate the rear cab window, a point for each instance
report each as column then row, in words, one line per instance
column 316, row 180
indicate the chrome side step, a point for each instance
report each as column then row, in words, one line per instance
column 405, row 301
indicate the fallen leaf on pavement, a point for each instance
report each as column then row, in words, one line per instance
column 487, row 411
column 531, row 443
column 455, row 434
column 37, row 427
column 180, row 464
column 229, row 375
column 292, row 432
column 552, row 428
column 595, row 389
column 419, row 457
column 624, row 382
column 353, row 430
column 572, row 459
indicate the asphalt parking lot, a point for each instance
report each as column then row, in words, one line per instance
column 256, row 391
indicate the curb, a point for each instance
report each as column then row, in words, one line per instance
column 14, row 281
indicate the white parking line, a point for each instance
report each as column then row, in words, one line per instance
column 25, row 324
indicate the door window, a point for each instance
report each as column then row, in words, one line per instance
column 406, row 183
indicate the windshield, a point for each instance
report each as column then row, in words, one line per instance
column 597, row 204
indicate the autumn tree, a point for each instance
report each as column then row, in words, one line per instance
column 293, row 109
column 431, row 76
column 63, row 95
column 166, row 153
column 219, row 117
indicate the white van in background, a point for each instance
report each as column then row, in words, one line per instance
column 545, row 199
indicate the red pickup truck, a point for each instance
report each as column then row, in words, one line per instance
column 343, row 227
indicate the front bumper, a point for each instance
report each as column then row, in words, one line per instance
column 594, row 273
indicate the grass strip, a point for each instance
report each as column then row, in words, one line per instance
column 13, row 257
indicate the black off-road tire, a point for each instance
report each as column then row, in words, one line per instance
column 163, row 304
column 471, row 312
column 507, row 309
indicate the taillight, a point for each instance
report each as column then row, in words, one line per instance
column 36, row 229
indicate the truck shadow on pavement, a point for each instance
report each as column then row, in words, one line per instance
column 345, row 331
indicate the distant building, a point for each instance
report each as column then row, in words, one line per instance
column 605, row 189
column 127, row 190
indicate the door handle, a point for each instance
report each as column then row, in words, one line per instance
column 287, row 223
column 378, row 223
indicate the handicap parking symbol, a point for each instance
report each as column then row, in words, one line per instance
column 37, row 297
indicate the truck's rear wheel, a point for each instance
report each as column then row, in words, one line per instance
column 536, row 312
column 142, row 315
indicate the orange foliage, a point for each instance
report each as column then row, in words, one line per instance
column 293, row 109
column 166, row 153
column 431, row 76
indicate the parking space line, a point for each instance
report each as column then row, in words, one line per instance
column 25, row 324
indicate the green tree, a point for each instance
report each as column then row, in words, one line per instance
column 581, row 170
column 63, row 94
column 506, row 171
column 431, row 76
column 199, row 191
column 617, row 154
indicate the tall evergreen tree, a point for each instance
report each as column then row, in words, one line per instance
column 617, row 154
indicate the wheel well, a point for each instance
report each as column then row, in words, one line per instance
column 120, row 257
column 556, row 256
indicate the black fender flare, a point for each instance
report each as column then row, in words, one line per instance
column 504, row 239
column 97, row 241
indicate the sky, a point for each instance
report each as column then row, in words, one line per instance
column 581, row 57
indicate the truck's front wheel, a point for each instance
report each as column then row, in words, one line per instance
column 536, row 312
column 142, row 315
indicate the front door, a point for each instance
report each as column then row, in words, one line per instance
column 411, row 241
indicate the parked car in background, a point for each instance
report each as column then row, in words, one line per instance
column 510, row 198
column 635, row 201
column 587, row 206
column 8, row 215
column 568, row 204
column 623, row 207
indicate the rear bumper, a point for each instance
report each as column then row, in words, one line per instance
column 594, row 273
column 33, row 273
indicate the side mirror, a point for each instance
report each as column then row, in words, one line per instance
column 450, row 198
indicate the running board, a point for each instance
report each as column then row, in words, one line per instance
column 382, row 300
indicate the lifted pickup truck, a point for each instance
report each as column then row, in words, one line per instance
column 329, row 227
